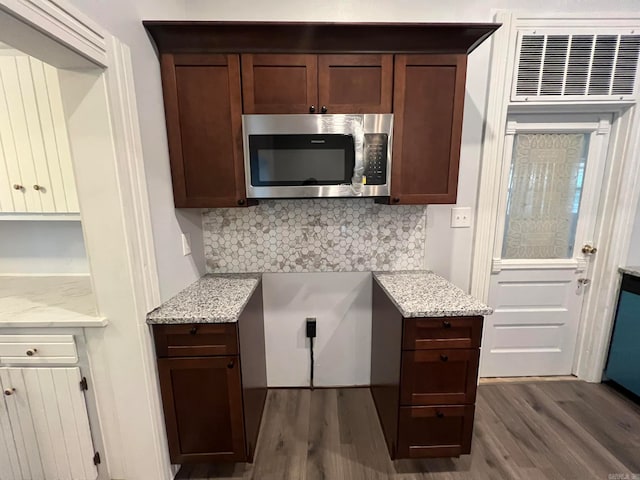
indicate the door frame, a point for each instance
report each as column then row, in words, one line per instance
column 117, row 229
column 619, row 197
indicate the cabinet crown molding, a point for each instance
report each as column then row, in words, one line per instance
column 298, row 37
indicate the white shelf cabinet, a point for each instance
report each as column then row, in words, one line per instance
column 44, row 426
column 36, row 174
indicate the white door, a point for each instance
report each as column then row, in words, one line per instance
column 45, row 426
column 553, row 173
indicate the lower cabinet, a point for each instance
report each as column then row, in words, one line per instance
column 203, row 408
column 423, row 380
column 44, row 425
column 213, row 381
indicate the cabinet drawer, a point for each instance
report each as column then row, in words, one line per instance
column 443, row 332
column 436, row 377
column 37, row 349
column 195, row 340
column 438, row 431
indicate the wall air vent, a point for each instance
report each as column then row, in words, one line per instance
column 552, row 67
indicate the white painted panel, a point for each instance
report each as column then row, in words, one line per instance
column 72, row 422
column 34, row 134
column 41, row 91
column 529, row 316
column 519, row 294
column 50, row 424
column 78, row 408
column 7, row 141
column 341, row 302
column 515, row 338
column 9, row 465
column 62, row 138
column 43, row 348
column 53, row 421
column 22, row 426
column 19, row 127
column 38, row 414
column 6, row 187
column 533, row 328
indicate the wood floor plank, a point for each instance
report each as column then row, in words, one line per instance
column 530, row 431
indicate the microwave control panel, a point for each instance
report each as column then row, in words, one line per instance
column 375, row 158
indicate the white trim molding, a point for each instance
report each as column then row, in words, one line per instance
column 64, row 23
column 112, row 190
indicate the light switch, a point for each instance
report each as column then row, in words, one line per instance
column 186, row 244
column 461, row 217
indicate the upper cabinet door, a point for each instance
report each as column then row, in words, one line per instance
column 280, row 83
column 428, row 103
column 355, row 83
column 34, row 143
column 204, row 125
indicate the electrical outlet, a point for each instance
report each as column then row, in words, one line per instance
column 461, row 217
column 186, row 244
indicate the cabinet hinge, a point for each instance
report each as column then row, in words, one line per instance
column 83, row 384
column 96, row 458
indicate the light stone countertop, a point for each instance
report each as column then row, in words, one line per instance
column 635, row 271
column 425, row 294
column 218, row 298
column 49, row 301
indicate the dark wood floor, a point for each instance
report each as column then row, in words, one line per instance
column 543, row 430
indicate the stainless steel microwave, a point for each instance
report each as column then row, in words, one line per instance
column 310, row 156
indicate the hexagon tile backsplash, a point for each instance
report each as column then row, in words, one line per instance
column 316, row 235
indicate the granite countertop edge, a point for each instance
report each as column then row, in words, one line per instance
column 630, row 270
column 478, row 310
column 185, row 319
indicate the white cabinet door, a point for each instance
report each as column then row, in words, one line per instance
column 36, row 173
column 48, row 421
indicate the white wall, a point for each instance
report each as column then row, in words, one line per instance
column 42, row 247
column 123, row 18
column 341, row 303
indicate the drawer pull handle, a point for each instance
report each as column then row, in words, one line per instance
column 439, row 414
column 230, row 364
column 446, row 324
column 444, row 358
column 193, row 330
column 9, row 391
column 31, row 352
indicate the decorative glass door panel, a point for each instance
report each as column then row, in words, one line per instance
column 545, row 189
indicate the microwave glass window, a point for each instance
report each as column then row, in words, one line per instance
column 307, row 167
column 304, row 159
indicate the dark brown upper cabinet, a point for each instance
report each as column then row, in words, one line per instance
column 416, row 70
column 279, row 83
column 428, row 100
column 317, row 83
column 203, row 110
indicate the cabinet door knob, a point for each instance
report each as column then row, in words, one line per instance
column 241, row 202
column 444, row 357
column 37, row 187
column 9, row 391
column 323, row 109
column 395, row 199
column 17, row 186
column 31, row 352
column 230, row 364
column 193, row 330
column 439, row 414
column 312, row 109
column 446, row 324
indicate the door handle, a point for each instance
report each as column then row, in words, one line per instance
column 584, row 281
column 589, row 249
